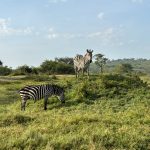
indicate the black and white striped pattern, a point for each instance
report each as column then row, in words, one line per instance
column 37, row 92
column 82, row 63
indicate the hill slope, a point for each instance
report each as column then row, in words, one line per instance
column 140, row 65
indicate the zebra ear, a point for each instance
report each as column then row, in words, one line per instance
column 92, row 51
column 87, row 51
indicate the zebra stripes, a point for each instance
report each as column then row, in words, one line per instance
column 82, row 63
column 37, row 92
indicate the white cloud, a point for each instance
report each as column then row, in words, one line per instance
column 111, row 36
column 50, row 29
column 49, row 2
column 4, row 25
column 137, row 1
column 52, row 34
column 27, row 31
column 107, row 33
column 7, row 30
column 56, row 1
column 3, row 22
column 64, row 0
column 95, row 34
column 100, row 15
column 72, row 36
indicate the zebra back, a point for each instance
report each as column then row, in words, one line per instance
column 78, row 57
column 37, row 92
column 83, row 62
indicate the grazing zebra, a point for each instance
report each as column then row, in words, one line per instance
column 37, row 92
column 82, row 63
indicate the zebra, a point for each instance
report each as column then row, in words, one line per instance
column 37, row 92
column 82, row 63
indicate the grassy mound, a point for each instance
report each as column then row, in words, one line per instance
column 106, row 86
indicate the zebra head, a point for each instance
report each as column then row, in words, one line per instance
column 88, row 55
column 61, row 96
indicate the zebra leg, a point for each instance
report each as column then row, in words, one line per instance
column 45, row 103
column 88, row 72
column 23, row 104
column 83, row 72
column 76, row 72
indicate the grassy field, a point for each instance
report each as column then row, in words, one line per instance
column 104, row 112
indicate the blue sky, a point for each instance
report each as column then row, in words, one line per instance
column 32, row 31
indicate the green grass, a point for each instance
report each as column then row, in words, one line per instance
column 106, row 112
column 146, row 79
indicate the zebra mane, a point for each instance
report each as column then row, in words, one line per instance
column 53, row 85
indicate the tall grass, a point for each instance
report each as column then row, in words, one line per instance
column 105, row 112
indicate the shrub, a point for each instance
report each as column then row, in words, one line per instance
column 122, row 81
column 109, row 86
column 4, row 70
column 24, row 70
column 124, row 68
column 53, row 67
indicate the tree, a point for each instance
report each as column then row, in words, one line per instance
column 124, row 68
column 48, row 66
column 1, row 63
column 66, row 60
column 23, row 70
column 54, row 67
column 100, row 61
column 4, row 70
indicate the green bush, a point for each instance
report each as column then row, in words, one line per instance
column 53, row 67
column 25, row 70
column 122, row 81
column 124, row 68
column 4, row 70
column 80, row 91
column 109, row 86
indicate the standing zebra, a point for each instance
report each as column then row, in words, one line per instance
column 37, row 92
column 82, row 63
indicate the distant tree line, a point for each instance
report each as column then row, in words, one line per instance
column 137, row 66
column 58, row 66
column 65, row 66
column 5, row 70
